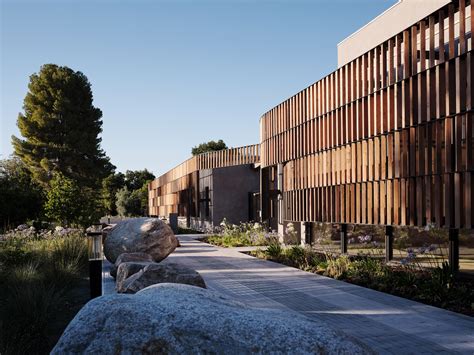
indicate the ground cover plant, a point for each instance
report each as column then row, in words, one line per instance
column 245, row 234
column 43, row 283
column 435, row 285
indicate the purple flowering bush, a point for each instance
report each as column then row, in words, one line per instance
column 243, row 234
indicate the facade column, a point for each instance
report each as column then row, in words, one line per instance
column 343, row 234
column 173, row 221
column 454, row 249
column 388, row 243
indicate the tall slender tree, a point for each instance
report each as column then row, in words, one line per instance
column 61, row 128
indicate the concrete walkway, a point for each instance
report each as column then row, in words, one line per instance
column 388, row 324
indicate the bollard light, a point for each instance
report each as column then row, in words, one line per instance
column 94, row 242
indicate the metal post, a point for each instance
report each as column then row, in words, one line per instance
column 308, row 235
column 188, row 212
column 95, row 238
column 173, row 222
column 454, row 249
column 343, row 238
column 388, row 243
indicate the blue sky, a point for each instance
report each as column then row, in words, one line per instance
column 168, row 75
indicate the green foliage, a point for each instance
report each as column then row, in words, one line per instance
column 229, row 241
column 61, row 128
column 20, row 197
column 68, row 204
column 110, row 186
column 274, row 251
column 123, row 201
column 37, row 278
column 132, row 199
column 132, row 203
column 141, row 197
column 210, row 146
column 135, row 179
column 338, row 267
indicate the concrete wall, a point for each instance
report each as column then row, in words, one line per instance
column 231, row 187
column 397, row 18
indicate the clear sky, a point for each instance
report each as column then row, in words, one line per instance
column 168, row 75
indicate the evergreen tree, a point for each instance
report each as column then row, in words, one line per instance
column 61, row 128
column 110, row 185
column 210, row 146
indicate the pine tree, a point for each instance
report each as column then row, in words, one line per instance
column 61, row 128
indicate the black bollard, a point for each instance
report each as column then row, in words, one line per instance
column 95, row 262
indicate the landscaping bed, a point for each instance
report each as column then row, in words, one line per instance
column 242, row 235
column 434, row 286
column 43, row 284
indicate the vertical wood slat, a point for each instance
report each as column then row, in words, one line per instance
column 389, row 128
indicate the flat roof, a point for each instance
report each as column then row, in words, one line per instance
column 395, row 19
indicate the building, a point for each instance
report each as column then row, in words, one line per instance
column 209, row 187
column 387, row 138
column 384, row 140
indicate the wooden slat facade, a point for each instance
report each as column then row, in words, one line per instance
column 177, row 190
column 388, row 137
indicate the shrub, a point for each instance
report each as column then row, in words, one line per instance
column 338, row 267
column 274, row 251
column 69, row 204
column 296, row 255
column 26, row 314
column 37, row 270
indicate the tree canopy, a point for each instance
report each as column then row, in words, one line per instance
column 126, row 194
column 135, row 179
column 110, row 186
column 68, row 204
column 210, row 146
column 20, row 197
column 132, row 199
column 61, row 128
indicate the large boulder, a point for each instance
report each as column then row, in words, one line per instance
column 153, row 274
column 126, row 257
column 127, row 269
column 182, row 319
column 146, row 235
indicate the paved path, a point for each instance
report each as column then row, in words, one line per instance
column 386, row 323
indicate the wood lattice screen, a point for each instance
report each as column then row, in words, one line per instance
column 387, row 138
column 166, row 193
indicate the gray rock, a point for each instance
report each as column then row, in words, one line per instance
column 154, row 273
column 125, row 257
column 22, row 227
column 146, row 235
column 182, row 319
column 127, row 269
